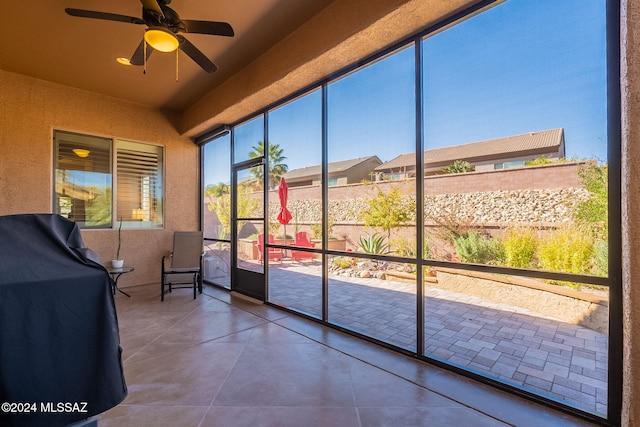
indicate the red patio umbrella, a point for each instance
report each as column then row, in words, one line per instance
column 284, row 216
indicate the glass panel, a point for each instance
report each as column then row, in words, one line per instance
column 371, row 149
column 297, row 284
column 248, row 140
column 249, row 193
column 83, row 180
column 140, row 184
column 217, row 188
column 217, row 263
column 515, row 135
column 295, row 155
column 375, row 298
column 249, row 250
column 250, row 214
column 526, row 332
column 217, row 183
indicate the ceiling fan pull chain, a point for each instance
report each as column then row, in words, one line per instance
column 177, row 64
column 144, row 54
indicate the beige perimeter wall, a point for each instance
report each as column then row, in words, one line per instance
column 31, row 109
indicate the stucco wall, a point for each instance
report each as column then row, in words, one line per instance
column 30, row 109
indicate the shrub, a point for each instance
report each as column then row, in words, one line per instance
column 403, row 247
column 594, row 211
column 451, row 226
column 273, row 227
column 477, row 248
column 387, row 211
column 316, row 229
column 542, row 160
column 426, row 248
column 601, row 258
column 459, row 166
column 520, row 246
column 374, row 244
column 568, row 250
column 342, row 262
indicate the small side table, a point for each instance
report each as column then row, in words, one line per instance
column 115, row 275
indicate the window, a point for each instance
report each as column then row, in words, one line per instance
column 494, row 257
column 299, row 165
column 507, row 165
column 83, row 179
column 216, row 210
column 376, row 219
column 85, row 171
column 139, row 190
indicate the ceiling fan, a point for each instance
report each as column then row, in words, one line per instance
column 164, row 24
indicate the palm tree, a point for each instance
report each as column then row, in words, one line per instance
column 276, row 168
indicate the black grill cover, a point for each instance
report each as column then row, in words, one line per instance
column 59, row 341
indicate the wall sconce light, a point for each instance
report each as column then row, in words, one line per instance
column 81, row 152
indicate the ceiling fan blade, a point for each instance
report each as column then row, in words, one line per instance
column 195, row 54
column 138, row 56
column 208, row 27
column 103, row 15
column 153, row 6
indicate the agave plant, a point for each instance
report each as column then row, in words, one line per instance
column 375, row 243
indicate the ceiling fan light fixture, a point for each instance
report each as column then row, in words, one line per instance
column 124, row 61
column 161, row 39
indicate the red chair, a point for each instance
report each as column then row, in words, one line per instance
column 273, row 253
column 302, row 240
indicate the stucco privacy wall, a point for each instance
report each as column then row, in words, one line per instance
column 30, row 109
column 630, row 86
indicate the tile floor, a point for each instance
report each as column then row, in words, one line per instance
column 224, row 361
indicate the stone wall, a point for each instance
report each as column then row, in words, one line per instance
column 542, row 196
column 539, row 195
column 543, row 207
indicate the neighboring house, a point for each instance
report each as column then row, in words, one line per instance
column 340, row 173
column 501, row 153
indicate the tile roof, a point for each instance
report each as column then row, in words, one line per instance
column 531, row 143
column 334, row 167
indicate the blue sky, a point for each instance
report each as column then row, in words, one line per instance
column 519, row 67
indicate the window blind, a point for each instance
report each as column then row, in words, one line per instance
column 139, row 183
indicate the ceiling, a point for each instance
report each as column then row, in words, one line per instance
column 38, row 39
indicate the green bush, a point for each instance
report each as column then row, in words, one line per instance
column 342, row 262
column 403, row 247
column 594, row 211
column 459, row 166
column 542, row 160
column 316, row 231
column 520, row 246
column 601, row 258
column 478, row 248
column 569, row 250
